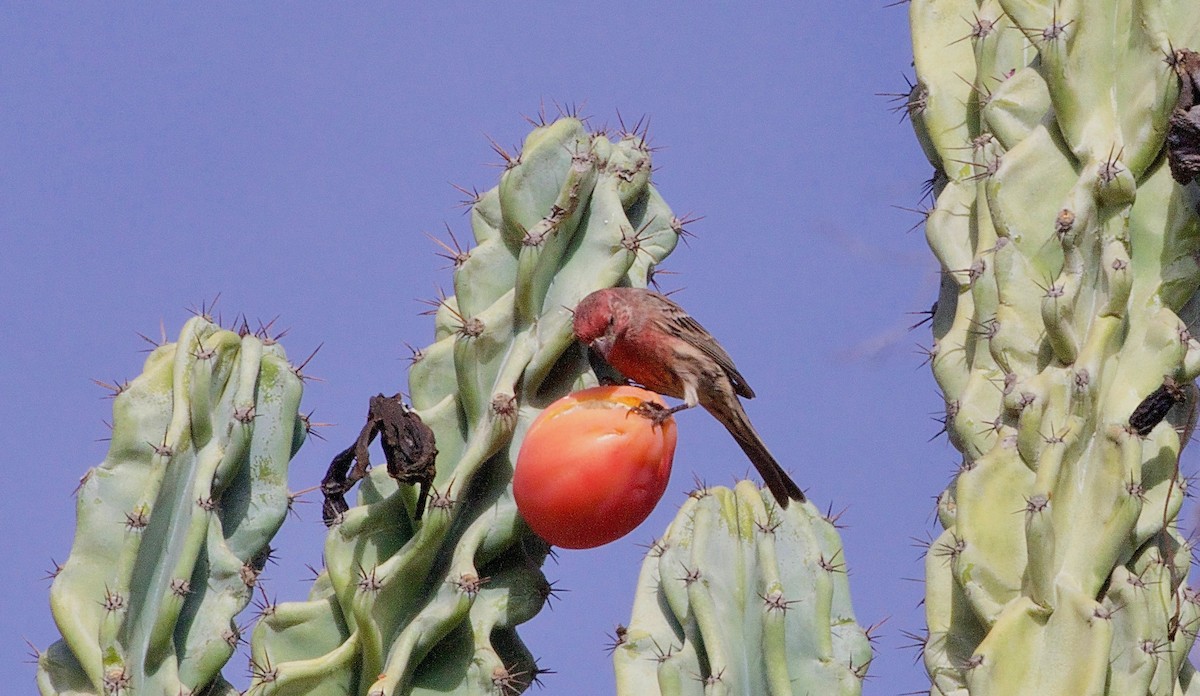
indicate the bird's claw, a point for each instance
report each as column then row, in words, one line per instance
column 654, row 411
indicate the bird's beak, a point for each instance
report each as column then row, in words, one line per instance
column 602, row 345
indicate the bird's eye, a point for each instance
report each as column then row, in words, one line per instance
column 611, row 320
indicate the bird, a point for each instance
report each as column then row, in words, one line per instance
column 653, row 341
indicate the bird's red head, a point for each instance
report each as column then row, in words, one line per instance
column 593, row 316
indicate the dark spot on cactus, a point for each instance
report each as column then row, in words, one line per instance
column 245, row 414
column 263, row 672
column 775, row 601
column 137, row 519
column 207, row 504
column 1082, row 380
column 617, row 638
column 113, row 601
column 699, row 485
column 548, row 592
column 1183, row 130
column 470, row 327
column 981, row 141
column 409, row 446
column 1010, row 382
column 470, row 584
column 232, row 636
column 690, row 575
column 1154, row 407
column 972, row 662
column 1064, row 223
column 180, row 587
column 1027, row 399
column 116, row 680
column 1120, row 264
column 989, row 169
column 368, row 581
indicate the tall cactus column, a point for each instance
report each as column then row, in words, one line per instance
column 173, row 527
column 1069, row 270
column 431, row 606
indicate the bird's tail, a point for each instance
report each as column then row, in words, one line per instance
column 738, row 424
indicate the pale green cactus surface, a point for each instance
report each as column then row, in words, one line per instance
column 173, row 527
column 1068, row 296
column 741, row 596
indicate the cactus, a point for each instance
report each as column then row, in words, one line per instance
column 173, row 527
column 408, row 606
column 1063, row 333
column 741, row 596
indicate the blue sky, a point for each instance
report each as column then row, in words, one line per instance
column 291, row 159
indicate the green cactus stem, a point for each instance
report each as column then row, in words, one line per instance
column 408, row 606
column 741, row 596
column 173, row 527
column 1063, row 344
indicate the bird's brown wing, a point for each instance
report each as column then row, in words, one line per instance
column 681, row 324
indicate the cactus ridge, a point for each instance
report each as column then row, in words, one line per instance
column 174, row 526
column 741, row 596
column 406, row 607
column 1068, row 297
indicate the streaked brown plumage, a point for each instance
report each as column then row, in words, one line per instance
column 653, row 341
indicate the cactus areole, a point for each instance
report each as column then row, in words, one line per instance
column 591, row 468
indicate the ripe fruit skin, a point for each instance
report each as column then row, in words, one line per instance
column 590, row 470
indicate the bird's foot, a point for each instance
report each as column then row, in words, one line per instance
column 656, row 412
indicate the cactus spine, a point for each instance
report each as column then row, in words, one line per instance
column 741, row 596
column 173, row 527
column 1069, row 274
column 405, row 607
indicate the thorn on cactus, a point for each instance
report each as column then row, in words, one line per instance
column 452, row 252
column 510, row 161
column 54, row 570
column 137, row 520
column 981, row 27
column 689, row 576
column 113, row 601
column 507, row 681
column 298, row 370
column 616, row 639
column 115, row 389
column 473, row 196
column 367, row 580
column 775, row 601
column 950, row 550
column 263, row 671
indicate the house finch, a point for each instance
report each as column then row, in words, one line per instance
column 653, row 341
